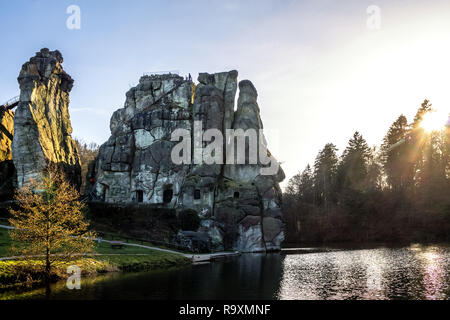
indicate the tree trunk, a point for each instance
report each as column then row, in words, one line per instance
column 47, row 274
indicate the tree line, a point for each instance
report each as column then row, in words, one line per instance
column 396, row 192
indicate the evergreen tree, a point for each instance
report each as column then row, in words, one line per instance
column 430, row 169
column 424, row 109
column 394, row 153
column 307, row 185
column 399, row 192
column 293, row 186
column 374, row 178
column 446, row 149
column 325, row 169
column 301, row 186
column 354, row 165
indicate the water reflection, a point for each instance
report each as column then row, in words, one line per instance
column 435, row 266
column 252, row 276
column 417, row 272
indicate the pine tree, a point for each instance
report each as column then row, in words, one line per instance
column 394, row 154
column 354, row 165
column 325, row 169
column 446, row 149
column 301, row 186
column 374, row 178
column 424, row 109
column 307, row 185
column 293, row 186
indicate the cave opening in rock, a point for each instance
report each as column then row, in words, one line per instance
column 197, row 194
column 167, row 195
column 236, row 195
column 140, row 196
column 104, row 192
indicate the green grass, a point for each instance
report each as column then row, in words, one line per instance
column 145, row 243
column 155, row 260
column 126, row 259
column 103, row 248
column 27, row 272
column 138, row 259
column 5, row 243
column 21, row 272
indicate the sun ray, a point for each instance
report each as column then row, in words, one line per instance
column 434, row 120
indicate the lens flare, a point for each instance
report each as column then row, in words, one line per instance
column 434, row 120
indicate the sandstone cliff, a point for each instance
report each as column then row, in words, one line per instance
column 239, row 208
column 6, row 164
column 6, row 123
column 231, row 206
column 42, row 129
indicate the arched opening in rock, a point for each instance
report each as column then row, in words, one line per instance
column 167, row 195
column 139, row 196
column 197, row 194
column 104, row 192
column 236, row 195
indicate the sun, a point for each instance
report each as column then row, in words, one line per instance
column 434, row 120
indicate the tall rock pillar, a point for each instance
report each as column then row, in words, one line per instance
column 42, row 122
column 249, row 202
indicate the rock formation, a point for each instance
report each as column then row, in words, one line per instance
column 250, row 202
column 6, row 124
column 239, row 207
column 42, row 129
column 221, row 204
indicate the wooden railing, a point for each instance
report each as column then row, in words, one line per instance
column 11, row 101
column 10, row 104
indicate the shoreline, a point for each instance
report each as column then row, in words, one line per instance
column 355, row 245
column 21, row 273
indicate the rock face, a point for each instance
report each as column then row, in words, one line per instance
column 239, row 208
column 250, row 202
column 42, row 123
column 135, row 163
column 6, row 165
column 6, row 123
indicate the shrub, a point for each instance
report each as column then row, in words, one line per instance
column 189, row 220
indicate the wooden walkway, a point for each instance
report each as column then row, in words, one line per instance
column 8, row 105
column 195, row 257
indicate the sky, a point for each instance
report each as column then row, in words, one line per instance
column 323, row 69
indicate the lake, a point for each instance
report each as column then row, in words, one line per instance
column 413, row 272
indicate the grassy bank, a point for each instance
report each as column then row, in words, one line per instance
column 5, row 243
column 127, row 259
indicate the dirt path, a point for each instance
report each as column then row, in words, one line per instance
column 194, row 257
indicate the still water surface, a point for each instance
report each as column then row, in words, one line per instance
column 414, row 272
